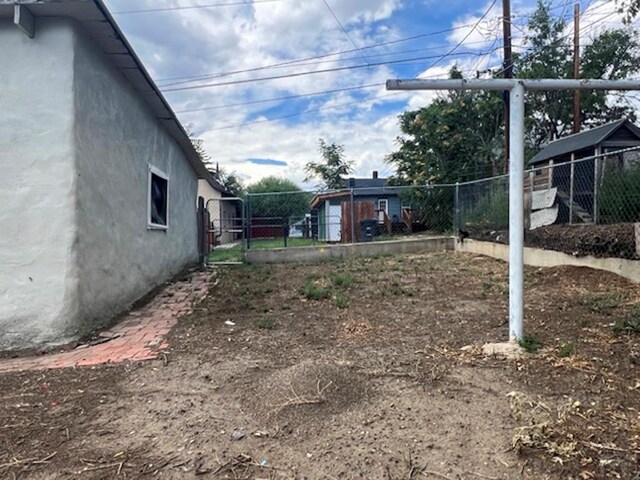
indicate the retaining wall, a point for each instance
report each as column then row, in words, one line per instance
column 325, row 252
column 537, row 257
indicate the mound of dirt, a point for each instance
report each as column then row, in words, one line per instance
column 307, row 390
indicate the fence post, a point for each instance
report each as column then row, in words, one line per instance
column 456, row 218
column 571, row 187
column 353, row 228
column 596, row 180
column 248, row 219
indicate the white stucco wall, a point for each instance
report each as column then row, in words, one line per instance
column 117, row 138
column 37, row 207
column 75, row 145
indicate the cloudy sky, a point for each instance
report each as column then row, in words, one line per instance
column 261, row 81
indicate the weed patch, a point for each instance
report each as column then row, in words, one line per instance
column 530, row 343
column 311, row 291
column 628, row 324
column 341, row 301
column 266, row 323
column 343, row 281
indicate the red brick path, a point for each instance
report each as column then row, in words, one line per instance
column 140, row 335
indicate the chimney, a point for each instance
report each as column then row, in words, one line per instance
column 375, row 174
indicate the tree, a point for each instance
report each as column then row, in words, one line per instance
column 332, row 169
column 275, row 197
column 231, row 181
column 613, row 54
column 456, row 138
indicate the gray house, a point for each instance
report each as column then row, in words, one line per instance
column 98, row 179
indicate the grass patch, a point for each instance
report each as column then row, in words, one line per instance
column 341, row 301
column 530, row 343
column 269, row 243
column 566, row 349
column 266, row 323
column 396, row 289
column 232, row 254
column 602, row 302
column 628, row 324
column 343, row 281
column 311, row 291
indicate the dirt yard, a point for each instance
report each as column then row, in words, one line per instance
column 367, row 369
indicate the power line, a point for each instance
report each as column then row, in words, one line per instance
column 450, row 52
column 288, row 97
column 192, row 78
column 313, row 72
column 313, row 110
column 344, row 30
column 191, row 7
column 349, row 59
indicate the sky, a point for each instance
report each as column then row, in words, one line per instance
column 216, row 65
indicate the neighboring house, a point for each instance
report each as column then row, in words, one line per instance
column 373, row 199
column 99, row 179
column 553, row 197
column 225, row 211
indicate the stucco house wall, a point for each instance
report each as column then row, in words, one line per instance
column 75, row 145
column 38, row 272
column 117, row 138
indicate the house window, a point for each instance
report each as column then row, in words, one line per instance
column 158, row 200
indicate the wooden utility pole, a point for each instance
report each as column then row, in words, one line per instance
column 507, row 68
column 576, row 65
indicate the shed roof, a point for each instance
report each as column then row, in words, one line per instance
column 582, row 140
column 95, row 18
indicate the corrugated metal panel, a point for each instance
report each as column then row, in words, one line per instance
column 542, row 218
column 543, row 198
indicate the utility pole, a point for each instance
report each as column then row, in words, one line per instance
column 507, row 69
column 576, row 65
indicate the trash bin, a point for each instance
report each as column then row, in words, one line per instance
column 368, row 229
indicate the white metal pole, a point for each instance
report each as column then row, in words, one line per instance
column 516, row 213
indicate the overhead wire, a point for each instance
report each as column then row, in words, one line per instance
column 312, row 72
column 192, row 7
column 344, row 30
column 193, row 78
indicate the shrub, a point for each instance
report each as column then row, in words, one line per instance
column 619, row 200
column 491, row 211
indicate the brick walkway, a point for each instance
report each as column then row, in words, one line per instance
column 140, row 335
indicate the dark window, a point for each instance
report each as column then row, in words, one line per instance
column 158, row 199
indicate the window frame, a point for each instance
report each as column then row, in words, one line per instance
column 158, row 173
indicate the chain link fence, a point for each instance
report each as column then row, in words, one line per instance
column 585, row 206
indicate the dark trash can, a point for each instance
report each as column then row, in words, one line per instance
column 368, row 229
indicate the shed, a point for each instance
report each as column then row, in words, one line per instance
column 552, row 169
column 99, row 178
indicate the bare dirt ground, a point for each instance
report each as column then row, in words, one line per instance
column 348, row 370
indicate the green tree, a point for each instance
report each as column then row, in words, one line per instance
column 613, row 54
column 332, row 169
column 456, row 138
column 277, row 198
column 231, row 181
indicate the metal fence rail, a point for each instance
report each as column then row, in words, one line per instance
column 600, row 193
